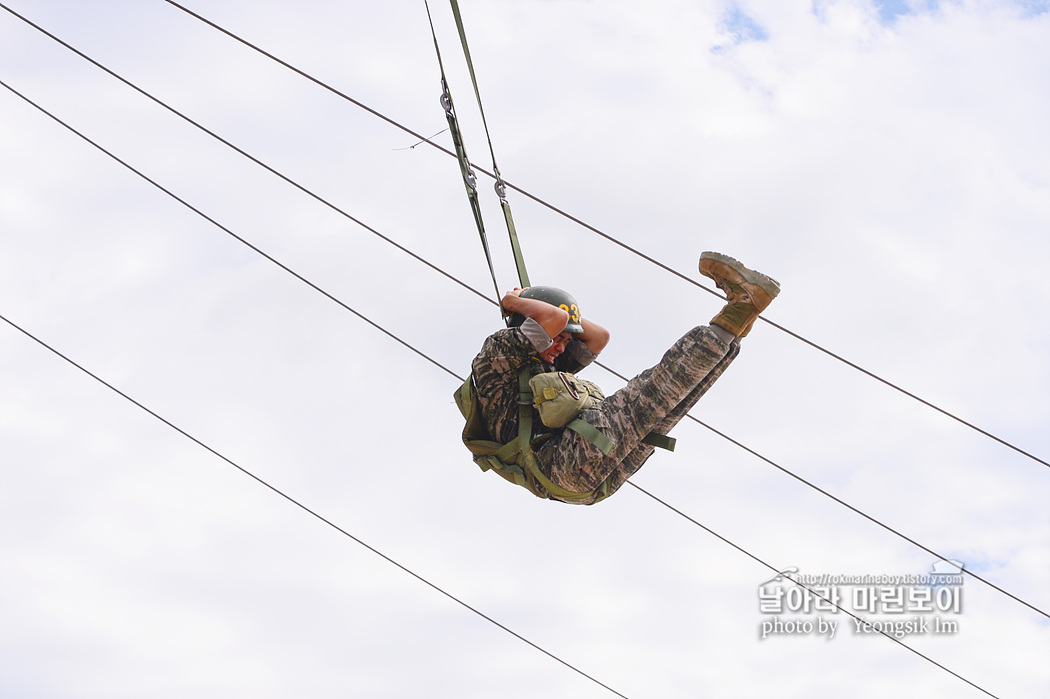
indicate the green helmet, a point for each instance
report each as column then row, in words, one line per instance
column 555, row 297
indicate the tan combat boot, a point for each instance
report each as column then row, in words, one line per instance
column 748, row 291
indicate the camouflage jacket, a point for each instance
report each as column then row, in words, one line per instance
column 495, row 371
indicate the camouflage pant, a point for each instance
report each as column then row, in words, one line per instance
column 654, row 401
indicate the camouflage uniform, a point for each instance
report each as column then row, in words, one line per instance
column 654, row 401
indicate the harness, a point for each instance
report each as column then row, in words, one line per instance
column 466, row 169
column 516, row 460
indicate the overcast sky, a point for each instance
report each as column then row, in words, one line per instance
column 887, row 162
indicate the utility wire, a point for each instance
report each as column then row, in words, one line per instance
column 309, row 511
column 432, row 585
column 445, row 369
column 606, row 236
column 247, row 155
column 438, row 364
column 420, row 577
column 227, row 230
column 432, row 266
column 842, row 502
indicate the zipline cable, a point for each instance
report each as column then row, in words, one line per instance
column 226, row 230
column 408, row 570
column 437, row 364
column 246, row 154
column 501, row 189
column 606, row 236
column 455, row 279
column 449, row 595
column 306, row 509
column 837, row 499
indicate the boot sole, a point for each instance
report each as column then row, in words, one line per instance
column 738, row 273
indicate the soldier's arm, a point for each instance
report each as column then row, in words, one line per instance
column 594, row 336
column 551, row 318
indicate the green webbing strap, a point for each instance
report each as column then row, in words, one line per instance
column 598, row 439
column 660, row 441
column 501, row 187
column 527, row 457
column 510, row 450
column 516, row 460
column 519, row 259
column 469, row 178
column 592, row 434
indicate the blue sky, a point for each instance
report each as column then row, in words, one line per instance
column 890, row 10
column 742, row 27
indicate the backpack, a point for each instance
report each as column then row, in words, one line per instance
column 516, row 460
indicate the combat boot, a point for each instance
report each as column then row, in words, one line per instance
column 748, row 292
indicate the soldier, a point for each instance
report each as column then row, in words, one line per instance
column 549, row 334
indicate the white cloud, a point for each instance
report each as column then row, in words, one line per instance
column 886, row 162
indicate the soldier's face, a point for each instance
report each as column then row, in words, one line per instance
column 551, row 353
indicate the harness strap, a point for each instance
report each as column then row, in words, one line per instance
column 660, row 441
column 470, row 179
column 527, row 457
column 501, row 186
column 516, row 461
column 592, row 434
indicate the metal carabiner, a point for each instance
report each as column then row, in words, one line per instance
column 572, row 391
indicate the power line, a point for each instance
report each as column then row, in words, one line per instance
column 432, row 585
column 840, row 501
column 244, row 153
column 306, row 509
column 433, row 361
column 457, row 281
column 606, row 236
column 226, row 230
column 434, row 267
